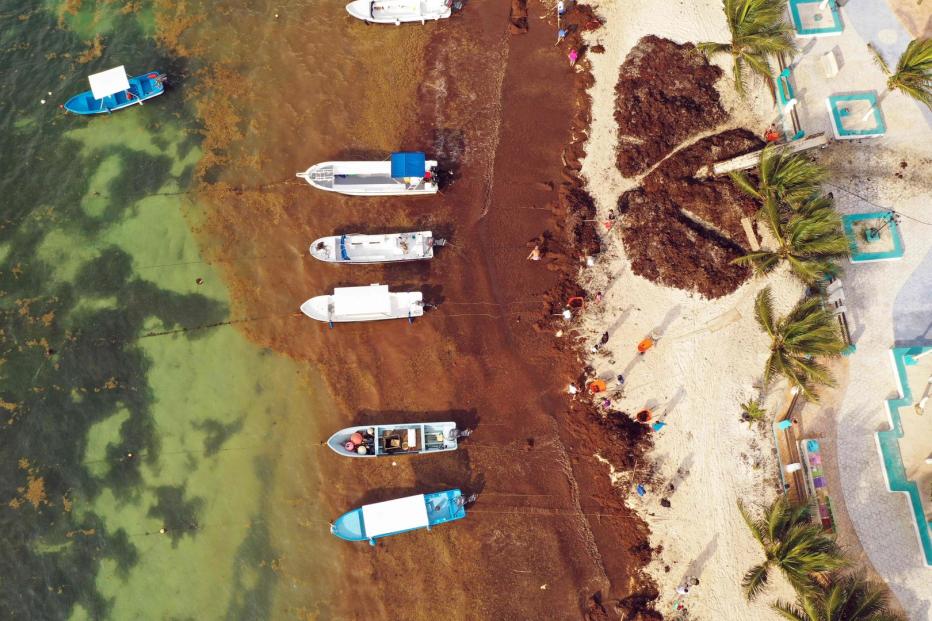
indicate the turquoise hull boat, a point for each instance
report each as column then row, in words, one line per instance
column 393, row 517
column 141, row 88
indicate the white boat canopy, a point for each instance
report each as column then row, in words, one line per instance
column 108, row 82
column 362, row 300
column 392, row 516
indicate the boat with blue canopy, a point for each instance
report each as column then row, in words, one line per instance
column 112, row 90
column 402, row 173
column 387, row 248
column 393, row 517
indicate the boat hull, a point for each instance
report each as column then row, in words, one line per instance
column 389, row 305
column 430, row 438
column 399, row 11
column 439, row 507
column 367, row 179
column 364, row 249
column 143, row 88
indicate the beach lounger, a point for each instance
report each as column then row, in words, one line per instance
column 830, row 64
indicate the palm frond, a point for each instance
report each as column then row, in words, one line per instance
column 791, row 612
column 878, row 59
column 745, row 184
column 755, row 580
column 763, row 311
column 913, row 75
column 709, row 48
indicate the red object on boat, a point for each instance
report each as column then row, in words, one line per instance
column 152, row 75
column 356, row 438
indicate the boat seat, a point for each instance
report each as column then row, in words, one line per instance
column 93, row 104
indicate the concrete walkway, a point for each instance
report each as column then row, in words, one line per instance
column 888, row 302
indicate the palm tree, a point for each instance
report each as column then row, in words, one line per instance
column 796, row 339
column 758, row 30
column 752, row 412
column 800, row 549
column 850, row 598
column 809, row 239
column 913, row 75
column 782, row 176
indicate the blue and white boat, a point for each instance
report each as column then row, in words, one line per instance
column 393, row 517
column 111, row 90
column 402, row 173
column 386, row 248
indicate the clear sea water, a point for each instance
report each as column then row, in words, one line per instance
column 154, row 463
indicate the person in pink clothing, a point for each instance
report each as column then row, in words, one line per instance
column 573, row 55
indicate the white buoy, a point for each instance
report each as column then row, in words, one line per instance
column 42, row 101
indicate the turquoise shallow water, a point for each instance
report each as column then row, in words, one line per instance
column 154, row 464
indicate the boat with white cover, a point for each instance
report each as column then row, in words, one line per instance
column 393, row 517
column 395, row 440
column 398, row 11
column 375, row 248
column 366, row 303
column 403, row 173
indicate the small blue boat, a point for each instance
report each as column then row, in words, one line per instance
column 111, row 90
column 392, row 517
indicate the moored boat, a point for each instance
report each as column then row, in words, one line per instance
column 403, row 173
column 396, row 440
column 398, row 11
column 393, row 517
column 366, row 303
column 112, row 90
column 375, row 248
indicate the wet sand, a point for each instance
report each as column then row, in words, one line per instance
column 549, row 537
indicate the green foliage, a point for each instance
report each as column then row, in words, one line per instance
column 798, row 548
column 783, row 176
column 807, row 332
column 913, row 75
column 850, row 598
column 809, row 239
column 758, row 30
column 752, row 412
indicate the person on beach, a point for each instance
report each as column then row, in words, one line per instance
column 772, row 135
column 572, row 390
column 535, row 254
column 573, row 56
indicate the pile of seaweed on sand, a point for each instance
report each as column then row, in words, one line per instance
column 679, row 230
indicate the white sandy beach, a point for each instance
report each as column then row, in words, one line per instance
column 710, row 355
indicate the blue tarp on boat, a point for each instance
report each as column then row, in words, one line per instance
column 343, row 254
column 408, row 164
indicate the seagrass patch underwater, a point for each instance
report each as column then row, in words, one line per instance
column 150, row 455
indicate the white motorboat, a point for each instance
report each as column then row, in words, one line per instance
column 367, row 303
column 395, row 440
column 398, row 11
column 375, row 248
column 403, row 173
